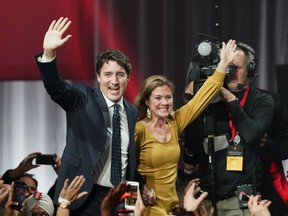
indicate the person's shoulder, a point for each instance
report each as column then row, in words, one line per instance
column 261, row 92
column 130, row 106
column 80, row 85
column 261, row 96
column 140, row 125
column 84, row 88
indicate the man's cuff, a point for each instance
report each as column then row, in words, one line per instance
column 42, row 59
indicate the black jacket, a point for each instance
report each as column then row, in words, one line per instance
column 251, row 122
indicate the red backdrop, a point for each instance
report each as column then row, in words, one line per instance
column 94, row 27
column 23, row 25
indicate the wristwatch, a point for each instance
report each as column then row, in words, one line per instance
column 64, row 205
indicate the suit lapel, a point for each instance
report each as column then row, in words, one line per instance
column 103, row 106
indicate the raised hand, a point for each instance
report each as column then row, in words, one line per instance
column 54, row 36
column 190, row 202
column 139, row 207
column 258, row 208
column 196, row 181
column 227, row 54
column 4, row 192
column 24, row 166
column 71, row 192
column 112, row 200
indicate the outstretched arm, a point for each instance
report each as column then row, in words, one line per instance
column 24, row 166
column 54, row 37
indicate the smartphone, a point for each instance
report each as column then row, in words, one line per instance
column 243, row 196
column 46, row 159
column 244, row 192
column 18, row 195
column 130, row 201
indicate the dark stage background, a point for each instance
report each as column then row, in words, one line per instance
column 158, row 36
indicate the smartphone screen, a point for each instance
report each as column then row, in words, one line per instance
column 45, row 159
column 130, row 201
column 243, row 196
column 18, row 194
column 244, row 192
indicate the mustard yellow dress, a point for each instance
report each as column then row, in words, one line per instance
column 158, row 160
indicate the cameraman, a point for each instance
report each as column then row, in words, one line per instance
column 239, row 120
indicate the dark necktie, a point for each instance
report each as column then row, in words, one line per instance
column 116, row 165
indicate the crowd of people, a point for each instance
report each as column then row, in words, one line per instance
column 111, row 141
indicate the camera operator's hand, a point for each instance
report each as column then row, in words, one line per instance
column 227, row 54
column 226, row 95
column 263, row 140
column 24, row 166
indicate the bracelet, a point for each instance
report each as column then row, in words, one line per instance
column 60, row 200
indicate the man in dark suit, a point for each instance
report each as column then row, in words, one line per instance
column 89, row 121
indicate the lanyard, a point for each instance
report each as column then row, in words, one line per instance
column 231, row 125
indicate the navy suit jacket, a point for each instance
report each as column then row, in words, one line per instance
column 87, row 122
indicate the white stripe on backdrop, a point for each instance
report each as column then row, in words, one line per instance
column 30, row 121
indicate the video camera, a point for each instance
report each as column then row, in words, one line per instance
column 204, row 63
column 208, row 56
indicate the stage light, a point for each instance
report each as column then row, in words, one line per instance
column 204, row 48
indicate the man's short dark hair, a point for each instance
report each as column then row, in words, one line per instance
column 113, row 55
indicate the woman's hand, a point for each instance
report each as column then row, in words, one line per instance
column 148, row 195
column 227, row 54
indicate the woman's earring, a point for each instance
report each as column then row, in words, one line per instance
column 148, row 113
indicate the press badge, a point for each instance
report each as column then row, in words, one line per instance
column 234, row 158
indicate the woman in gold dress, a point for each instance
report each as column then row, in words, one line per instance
column 158, row 128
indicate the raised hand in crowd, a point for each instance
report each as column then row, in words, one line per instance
column 8, row 210
column 196, row 181
column 258, row 208
column 69, row 193
column 113, row 199
column 139, row 207
column 4, row 192
column 191, row 204
column 25, row 165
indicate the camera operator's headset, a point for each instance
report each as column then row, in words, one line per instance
column 251, row 66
